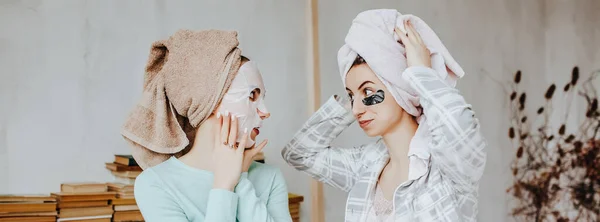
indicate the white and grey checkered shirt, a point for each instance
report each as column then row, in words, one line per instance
column 447, row 191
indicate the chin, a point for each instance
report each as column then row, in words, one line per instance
column 372, row 132
column 373, row 129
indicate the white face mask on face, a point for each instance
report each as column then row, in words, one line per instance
column 238, row 100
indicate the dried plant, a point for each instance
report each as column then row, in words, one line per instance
column 556, row 174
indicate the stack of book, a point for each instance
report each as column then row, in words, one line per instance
column 294, row 203
column 40, row 208
column 129, row 216
column 124, row 169
column 86, row 202
column 124, row 191
column 124, row 205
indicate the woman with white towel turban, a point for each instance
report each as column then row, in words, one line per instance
column 400, row 82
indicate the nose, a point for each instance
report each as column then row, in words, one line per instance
column 263, row 115
column 358, row 109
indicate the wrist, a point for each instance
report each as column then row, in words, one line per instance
column 422, row 65
column 246, row 166
column 417, row 69
column 223, row 186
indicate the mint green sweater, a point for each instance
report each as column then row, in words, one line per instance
column 173, row 191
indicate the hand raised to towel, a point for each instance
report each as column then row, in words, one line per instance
column 228, row 155
column 417, row 53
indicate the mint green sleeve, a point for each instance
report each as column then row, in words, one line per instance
column 252, row 209
column 221, row 206
column 156, row 204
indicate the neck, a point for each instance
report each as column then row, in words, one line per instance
column 397, row 140
column 200, row 155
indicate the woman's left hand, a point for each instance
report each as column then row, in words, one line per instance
column 417, row 53
column 249, row 155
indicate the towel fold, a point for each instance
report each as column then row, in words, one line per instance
column 186, row 77
column 372, row 36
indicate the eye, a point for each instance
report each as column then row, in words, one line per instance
column 367, row 92
column 254, row 95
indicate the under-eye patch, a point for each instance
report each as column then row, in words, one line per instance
column 374, row 99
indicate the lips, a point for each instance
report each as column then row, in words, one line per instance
column 364, row 123
column 256, row 131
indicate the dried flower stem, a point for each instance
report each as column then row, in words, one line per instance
column 556, row 173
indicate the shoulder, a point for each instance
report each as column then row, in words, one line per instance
column 265, row 176
column 151, row 177
column 263, row 170
column 148, row 178
column 148, row 187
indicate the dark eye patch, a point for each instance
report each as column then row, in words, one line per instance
column 374, row 99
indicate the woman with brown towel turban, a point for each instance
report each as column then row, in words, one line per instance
column 193, row 132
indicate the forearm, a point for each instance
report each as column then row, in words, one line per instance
column 221, row 206
column 252, row 209
column 317, row 134
column 457, row 145
column 310, row 149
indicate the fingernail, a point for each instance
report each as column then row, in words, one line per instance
column 218, row 114
column 226, row 113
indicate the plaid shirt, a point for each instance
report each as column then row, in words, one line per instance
column 446, row 191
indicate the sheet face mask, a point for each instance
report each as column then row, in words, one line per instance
column 237, row 100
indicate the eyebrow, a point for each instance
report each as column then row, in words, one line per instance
column 364, row 83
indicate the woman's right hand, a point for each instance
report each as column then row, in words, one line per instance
column 227, row 156
column 417, row 53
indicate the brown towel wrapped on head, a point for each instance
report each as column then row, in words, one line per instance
column 186, row 77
